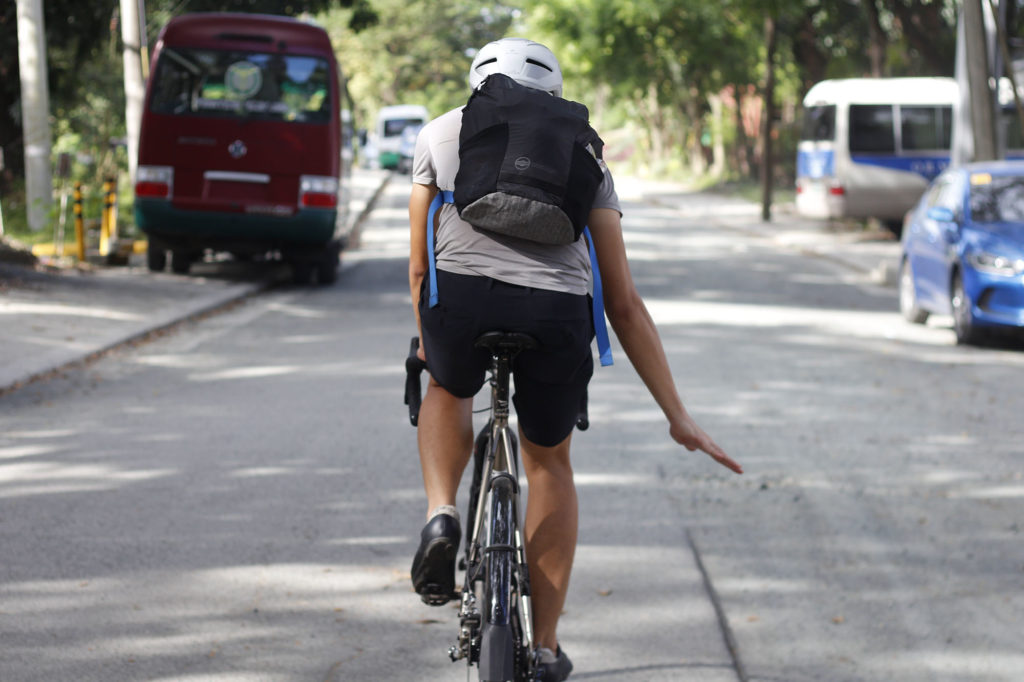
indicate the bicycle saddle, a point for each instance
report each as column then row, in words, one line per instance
column 507, row 341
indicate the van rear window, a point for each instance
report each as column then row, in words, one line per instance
column 819, row 123
column 230, row 83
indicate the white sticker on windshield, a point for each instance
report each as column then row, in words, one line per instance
column 243, row 79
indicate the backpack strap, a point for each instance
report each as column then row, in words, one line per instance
column 442, row 197
column 604, row 346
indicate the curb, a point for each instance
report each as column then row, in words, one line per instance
column 210, row 305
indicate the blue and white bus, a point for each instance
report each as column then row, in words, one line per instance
column 869, row 146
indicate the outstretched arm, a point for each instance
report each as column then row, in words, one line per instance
column 639, row 337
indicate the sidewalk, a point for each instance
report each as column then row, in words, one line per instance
column 51, row 318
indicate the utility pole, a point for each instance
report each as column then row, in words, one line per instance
column 134, row 86
column 35, row 111
column 978, row 78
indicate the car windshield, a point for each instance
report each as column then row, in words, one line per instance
column 997, row 198
column 230, row 83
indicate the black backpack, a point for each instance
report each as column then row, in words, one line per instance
column 527, row 163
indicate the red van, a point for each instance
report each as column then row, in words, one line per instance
column 240, row 145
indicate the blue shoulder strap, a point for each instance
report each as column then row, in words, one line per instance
column 443, row 197
column 604, row 346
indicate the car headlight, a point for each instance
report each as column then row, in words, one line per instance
column 994, row 264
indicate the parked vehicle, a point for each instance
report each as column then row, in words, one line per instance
column 869, row 146
column 963, row 250
column 391, row 123
column 241, row 144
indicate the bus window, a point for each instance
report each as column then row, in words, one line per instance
column 926, row 128
column 819, row 123
column 871, row 129
column 397, row 126
column 229, row 83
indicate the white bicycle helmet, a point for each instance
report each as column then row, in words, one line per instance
column 522, row 60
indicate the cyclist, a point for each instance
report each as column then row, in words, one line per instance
column 488, row 282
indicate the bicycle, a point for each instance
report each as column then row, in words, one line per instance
column 495, row 613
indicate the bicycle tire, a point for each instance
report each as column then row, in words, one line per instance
column 498, row 647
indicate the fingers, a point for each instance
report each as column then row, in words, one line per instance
column 718, row 454
column 693, row 438
column 727, row 462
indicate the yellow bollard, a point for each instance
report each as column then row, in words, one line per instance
column 105, row 219
column 79, row 224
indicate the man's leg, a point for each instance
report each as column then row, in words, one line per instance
column 551, row 525
column 445, row 436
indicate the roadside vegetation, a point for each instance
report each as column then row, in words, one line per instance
column 677, row 87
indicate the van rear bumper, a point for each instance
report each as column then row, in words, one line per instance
column 214, row 229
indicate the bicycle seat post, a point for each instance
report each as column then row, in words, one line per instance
column 504, row 347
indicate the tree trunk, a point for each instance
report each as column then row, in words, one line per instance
column 35, row 112
column 978, row 73
column 877, row 44
column 134, row 87
column 767, row 160
column 744, row 154
column 717, row 139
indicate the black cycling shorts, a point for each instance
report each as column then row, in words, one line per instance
column 550, row 381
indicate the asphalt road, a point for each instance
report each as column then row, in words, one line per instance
column 239, row 499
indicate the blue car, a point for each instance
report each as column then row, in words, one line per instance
column 963, row 250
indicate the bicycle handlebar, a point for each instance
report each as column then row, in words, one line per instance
column 413, row 391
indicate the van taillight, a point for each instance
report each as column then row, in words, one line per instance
column 155, row 182
column 318, row 191
column 837, row 190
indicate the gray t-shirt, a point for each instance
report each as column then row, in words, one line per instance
column 462, row 249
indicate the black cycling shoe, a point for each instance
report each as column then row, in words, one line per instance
column 556, row 671
column 433, row 567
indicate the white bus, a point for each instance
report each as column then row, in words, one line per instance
column 391, row 123
column 869, row 146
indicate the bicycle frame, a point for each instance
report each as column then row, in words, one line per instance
column 495, row 552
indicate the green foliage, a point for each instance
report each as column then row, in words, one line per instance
column 418, row 52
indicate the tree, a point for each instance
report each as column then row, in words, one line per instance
column 419, row 52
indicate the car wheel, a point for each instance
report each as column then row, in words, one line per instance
column 963, row 320
column 302, row 271
column 181, row 261
column 909, row 307
column 156, row 257
column 327, row 268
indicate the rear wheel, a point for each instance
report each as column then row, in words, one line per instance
column 181, row 262
column 909, row 307
column 327, row 267
column 302, row 272
column 156, row 256
column 498, row 646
